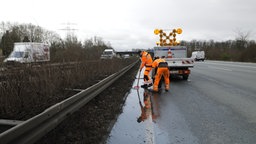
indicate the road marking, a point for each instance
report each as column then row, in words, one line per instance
column 227, row 64
column 149, row 133
column 219, row 68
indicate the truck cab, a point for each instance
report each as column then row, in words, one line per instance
column 28, row 52
column 20, row 54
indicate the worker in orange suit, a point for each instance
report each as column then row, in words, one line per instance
column 162, row 70
column 146, row 61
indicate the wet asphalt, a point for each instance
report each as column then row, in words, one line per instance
column 216, row 105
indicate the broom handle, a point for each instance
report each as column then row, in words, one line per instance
column 138, row 78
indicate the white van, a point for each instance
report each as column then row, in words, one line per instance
column 108, row 54
column 198, row 55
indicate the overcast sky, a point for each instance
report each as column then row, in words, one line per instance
column 128, row 24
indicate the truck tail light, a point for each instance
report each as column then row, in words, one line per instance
column 186, row 71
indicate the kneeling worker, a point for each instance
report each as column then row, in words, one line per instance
column 162, row 69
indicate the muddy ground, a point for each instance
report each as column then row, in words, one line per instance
column 92, row 123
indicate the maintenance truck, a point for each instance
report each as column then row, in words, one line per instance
column 174, row 54
column 176, row 57
column 29, row 52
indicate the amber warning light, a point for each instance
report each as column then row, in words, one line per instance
column 168, row 39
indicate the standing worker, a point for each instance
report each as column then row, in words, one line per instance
column 146, row 60
column 162, row 69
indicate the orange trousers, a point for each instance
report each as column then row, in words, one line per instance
column 165, row 72
column 147, row 78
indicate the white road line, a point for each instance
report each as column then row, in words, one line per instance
column 219, row 68
column 242, row 66
column 149, row 133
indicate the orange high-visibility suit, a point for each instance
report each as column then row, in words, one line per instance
column 146, row 60
column 162, row 69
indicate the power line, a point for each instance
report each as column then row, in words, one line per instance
column 69, row 28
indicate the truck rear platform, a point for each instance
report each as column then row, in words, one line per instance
column 176, row 57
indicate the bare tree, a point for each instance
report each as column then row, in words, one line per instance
column 242, row 38
column 242, row 35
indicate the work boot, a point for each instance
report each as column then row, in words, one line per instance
column 158, row 91
column 167, row 88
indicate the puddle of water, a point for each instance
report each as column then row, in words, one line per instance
column 138, row 122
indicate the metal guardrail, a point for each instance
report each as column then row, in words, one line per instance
column 36, row 127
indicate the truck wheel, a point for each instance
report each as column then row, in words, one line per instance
column 185, row 77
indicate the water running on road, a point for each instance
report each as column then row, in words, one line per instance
column 138, row 122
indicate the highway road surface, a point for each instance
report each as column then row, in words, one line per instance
column 217, row 105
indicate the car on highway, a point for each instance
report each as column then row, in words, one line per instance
column 108, row 54
column 126, row 56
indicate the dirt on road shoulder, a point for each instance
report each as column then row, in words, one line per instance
column 92, row 123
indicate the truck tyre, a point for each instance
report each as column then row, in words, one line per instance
column 185, row 77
